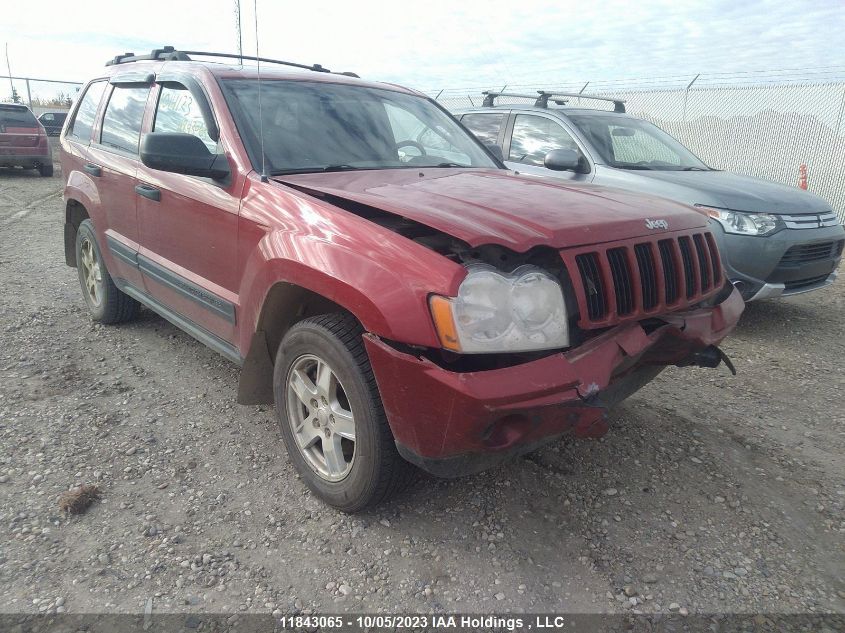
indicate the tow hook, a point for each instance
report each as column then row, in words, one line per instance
column 710, row 356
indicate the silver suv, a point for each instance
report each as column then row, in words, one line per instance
column 775, row 240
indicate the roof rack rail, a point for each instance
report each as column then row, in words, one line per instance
column 543, row 99
column 491, row 95
column 168, row 53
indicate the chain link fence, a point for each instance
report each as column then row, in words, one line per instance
column 763, row 130
column 41, row 95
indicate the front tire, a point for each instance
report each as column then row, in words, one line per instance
column 46, row 170
column 105, row 301
column 331, row 417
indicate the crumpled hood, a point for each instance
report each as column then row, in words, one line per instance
column 492, row 206
column 740, row 193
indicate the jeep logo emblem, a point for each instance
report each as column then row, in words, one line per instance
column 657, row 224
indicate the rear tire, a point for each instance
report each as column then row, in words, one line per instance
column 370, row 470
column 46, row 170
column 105, row 301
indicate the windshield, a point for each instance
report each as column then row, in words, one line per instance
column 17, row 117
column 629, row 143
column 318, row 126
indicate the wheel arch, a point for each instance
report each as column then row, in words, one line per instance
column 75, row 214
column 284, row 305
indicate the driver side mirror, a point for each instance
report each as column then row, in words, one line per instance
column 495, row 150
column 182, row 154
column 563, row 160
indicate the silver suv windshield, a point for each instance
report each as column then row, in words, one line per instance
column 629, row 143
column 320, row 126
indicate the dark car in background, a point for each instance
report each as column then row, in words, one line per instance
column 775, row 240
column 23, row 140
column 52, row 122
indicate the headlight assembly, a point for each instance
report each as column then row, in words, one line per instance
column 741, row 223
column 498, row 312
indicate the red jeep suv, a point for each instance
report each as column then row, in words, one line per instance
column 400, row 296
column 23, row 140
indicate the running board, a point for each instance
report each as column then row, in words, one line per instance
column 186, row 325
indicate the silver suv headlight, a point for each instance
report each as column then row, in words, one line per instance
column 500, row 312
column 742, row 223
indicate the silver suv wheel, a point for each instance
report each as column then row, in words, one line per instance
column 321, row 417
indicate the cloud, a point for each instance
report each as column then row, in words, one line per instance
column 445, row 44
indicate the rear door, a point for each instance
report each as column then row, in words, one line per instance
column 112, row 164
column 488, row 127
column 19, row 131
column 531, row 136
column 188, row 225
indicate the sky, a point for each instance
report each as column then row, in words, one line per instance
column 436, row 44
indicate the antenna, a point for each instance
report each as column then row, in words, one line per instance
column 260, row 114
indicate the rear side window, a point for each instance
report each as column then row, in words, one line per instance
column 16, row 117
column 178, row 112
column 123, row 117
column 83, row 124
column 485, row 126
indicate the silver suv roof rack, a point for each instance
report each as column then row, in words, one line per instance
column 543, row 99
column 168, row 53
column 490, row 97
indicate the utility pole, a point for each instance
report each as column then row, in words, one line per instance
column 238, row 27
column 9, row 67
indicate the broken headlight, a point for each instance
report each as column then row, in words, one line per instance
column 502, row 312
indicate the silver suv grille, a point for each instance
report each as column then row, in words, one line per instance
column 810, row 221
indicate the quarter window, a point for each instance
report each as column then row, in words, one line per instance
column 178, row 112
column 123, row 118
column 485, row 126
column 83, row 123
column 535, row 136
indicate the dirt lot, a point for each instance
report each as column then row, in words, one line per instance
column 710, row 494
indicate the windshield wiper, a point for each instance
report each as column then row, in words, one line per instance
column 313, row 170
column 443, row 165
column 696, row 169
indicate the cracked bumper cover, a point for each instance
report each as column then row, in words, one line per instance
column 452, row 424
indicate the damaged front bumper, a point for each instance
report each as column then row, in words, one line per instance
column 455, row 423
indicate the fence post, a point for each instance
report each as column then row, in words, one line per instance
column 686, row 95
column 28, row 94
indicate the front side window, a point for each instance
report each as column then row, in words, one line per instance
column 178, row 111
column 485, row 126
column 535, row 136
column 629, row 143
column 83, row 123
column 123, row 118
column 321, row 126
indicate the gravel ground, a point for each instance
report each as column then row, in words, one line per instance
column 711, row 493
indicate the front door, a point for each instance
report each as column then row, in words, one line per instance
column 531, row 137
column 188, row 228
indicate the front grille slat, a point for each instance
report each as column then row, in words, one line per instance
column 704, row 267
column 670, row 270
column 689, row 266
column 593, row 286
column 624, row 282
column 648, row 275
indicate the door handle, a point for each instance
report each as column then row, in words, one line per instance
column 148, row 192
column 94, row 170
